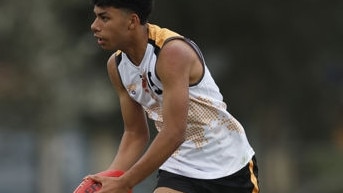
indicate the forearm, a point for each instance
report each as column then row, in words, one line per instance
column 136, row 132
column 131, row 148
column 162, row 147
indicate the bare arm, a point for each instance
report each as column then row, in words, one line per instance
column 136, row 133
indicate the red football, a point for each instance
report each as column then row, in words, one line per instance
column 90, row 186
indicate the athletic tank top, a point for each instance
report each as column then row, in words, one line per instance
column 216, row 144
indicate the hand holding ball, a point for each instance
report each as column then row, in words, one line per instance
column 90, row 186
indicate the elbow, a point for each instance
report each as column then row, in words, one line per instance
column 179, row 136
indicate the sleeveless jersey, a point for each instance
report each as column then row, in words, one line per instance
column 216, row 144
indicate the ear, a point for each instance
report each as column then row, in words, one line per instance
column 134, row 21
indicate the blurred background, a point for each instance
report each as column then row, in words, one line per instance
column 279, row 65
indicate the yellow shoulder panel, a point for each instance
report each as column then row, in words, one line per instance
column 160, row 35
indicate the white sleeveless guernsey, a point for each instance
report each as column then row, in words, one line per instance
column 216, row 144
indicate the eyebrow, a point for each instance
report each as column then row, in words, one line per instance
column 100, row 13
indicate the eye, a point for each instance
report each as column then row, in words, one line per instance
column 104, row 18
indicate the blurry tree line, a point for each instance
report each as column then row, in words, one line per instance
column 279, row 65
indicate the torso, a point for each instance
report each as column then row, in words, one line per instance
column 215, row 145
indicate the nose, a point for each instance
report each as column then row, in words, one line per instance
column 94, row 26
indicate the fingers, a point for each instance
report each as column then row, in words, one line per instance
column 95, row 178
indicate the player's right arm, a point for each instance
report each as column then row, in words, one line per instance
column 136, row 132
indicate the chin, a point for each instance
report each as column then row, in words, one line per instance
column 108, row 48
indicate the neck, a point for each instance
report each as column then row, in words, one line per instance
column 136, row 49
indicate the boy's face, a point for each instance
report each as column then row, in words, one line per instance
column 110, row 27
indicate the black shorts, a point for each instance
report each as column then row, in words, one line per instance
column 243, row 181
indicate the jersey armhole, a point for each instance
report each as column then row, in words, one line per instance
column 201, row 58
column 197, row 51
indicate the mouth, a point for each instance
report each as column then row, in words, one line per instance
column 100, row 40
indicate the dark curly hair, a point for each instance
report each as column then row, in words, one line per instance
column 142, row 8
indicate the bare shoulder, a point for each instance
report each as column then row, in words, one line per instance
column 178, row 49
column 111, row 63
column 178, row 58
column 113, row 73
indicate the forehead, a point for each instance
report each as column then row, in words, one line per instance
column 106, row 10
column 99, row 10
